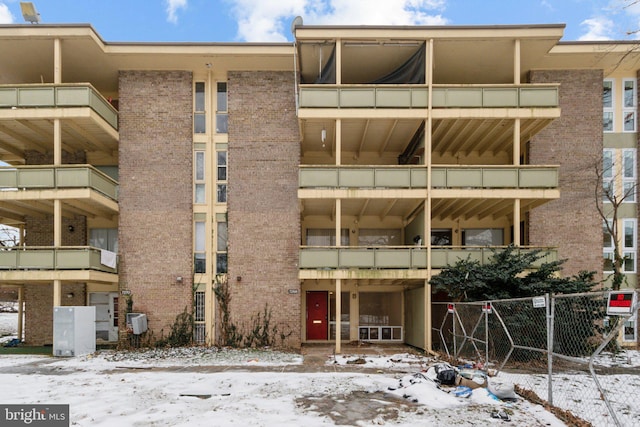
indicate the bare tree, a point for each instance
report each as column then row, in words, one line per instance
column 610, row 187
column 8, row 236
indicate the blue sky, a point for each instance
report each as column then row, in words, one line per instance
column 269, row 20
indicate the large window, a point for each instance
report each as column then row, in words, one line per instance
column 104, row 238
column 483, row 237
column 629, row 175
column 629, row 105
column 199, row 178
column 199, row 113
column 344, row 316
column 221, row 178
column 608, row 105
column 200, row 256
column 222, row 118
column 326, row 237
column 379, row 237
column 441, row 237
column 629, row 251
column 608, row 181
column 221, row 248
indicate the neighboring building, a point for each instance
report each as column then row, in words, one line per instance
column 326, row 180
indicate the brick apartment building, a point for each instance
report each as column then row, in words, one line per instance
column 307, row 175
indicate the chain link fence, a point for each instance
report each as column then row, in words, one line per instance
column 587, row 373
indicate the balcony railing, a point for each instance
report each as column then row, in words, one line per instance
column 399, row 257
column 416, row 177
column 58, row 177
column 53, row 258
column 444, row 96
column 58, row 96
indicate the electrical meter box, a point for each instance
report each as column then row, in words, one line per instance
column 74, row 330
column 137, row 323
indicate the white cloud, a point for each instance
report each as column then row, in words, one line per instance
column 598, row 28
column 5, row 14
column 269, row 21
column 172, row 8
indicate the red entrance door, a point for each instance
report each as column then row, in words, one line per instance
column 317, row 314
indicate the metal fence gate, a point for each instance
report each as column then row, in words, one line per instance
column 586, row 372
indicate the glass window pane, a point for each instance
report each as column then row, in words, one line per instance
column 379, row 237
column 326, row 237
column 607, row 241
column 380, row 309
column 607, row 261
column 607, row 121
column 629, row 234
column 222, row 193
column 441, row 237
column 629, row 164
column 222, row 236
column 629, row 93
column 629, row 192
column 222, row 123
column 199, row 123
column 199, row 263
column 221, row 263
column 630, row 262
column 199, row 96
column 200, row 194
column 199, row 165
column 222, row 165
column 607, row 164
column 200, row 237
column 607, row 94
column 483, row 237
column 629, row 121
column 222, row 97
column 198, row 314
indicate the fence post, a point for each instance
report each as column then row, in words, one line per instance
column 455, row 343
column 550, row 303
column 486, row 337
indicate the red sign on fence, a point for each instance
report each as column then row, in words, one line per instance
column 450, row 308
column 486, row 307
column 620, row 303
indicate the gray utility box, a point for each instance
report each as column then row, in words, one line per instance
column 74, row 330
column 137, row 323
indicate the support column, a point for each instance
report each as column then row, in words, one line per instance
column 516, row 63
column 20, row 311
column 516, row 142
column 338, row 221
column 516, row 222
column 338, row 140
column 427, row 206
column 338, row 314
column 338, row 61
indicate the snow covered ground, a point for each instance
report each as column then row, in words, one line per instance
column 204, row 387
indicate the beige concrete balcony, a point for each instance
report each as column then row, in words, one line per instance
column 416, row 96
column 482, row 177
column 57, row 177
column 400, row 257
column 53, row 258
column 58, row 96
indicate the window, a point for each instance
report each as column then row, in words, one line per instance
column 221, row 248
column 608, row 180
column 441, row 237
column 379, row 237
column 630, row 330
column 199, row 178
column 326, row 237
column 629, row 245
column 200, row 256
column 629, row 105
column 629, row 238
column 199, row 329
column 222, row 122
column 221, row 196
column 608, row 105
column 629, row 175
column 199, row 114
column 104, row 238
column 483, row 237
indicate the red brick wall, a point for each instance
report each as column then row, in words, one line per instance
column 36, row 158
column 574, row 141
column 38, row 313
column 39, row 231
column 155, row 196
column 264, row 221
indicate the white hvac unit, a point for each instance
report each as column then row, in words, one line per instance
column 74, row 330
column 137, row 322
